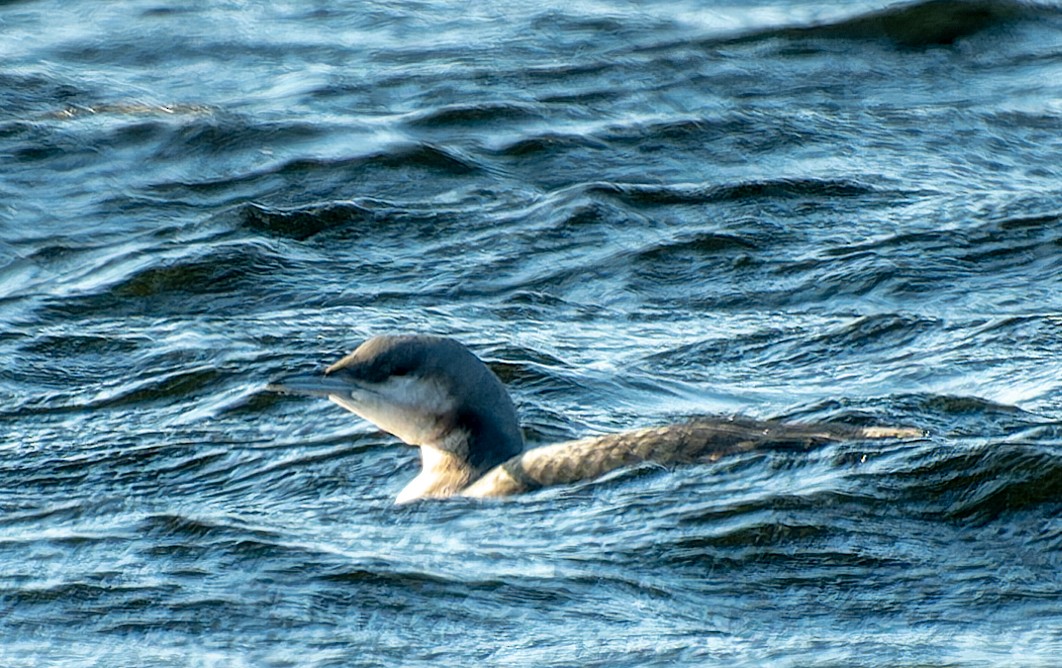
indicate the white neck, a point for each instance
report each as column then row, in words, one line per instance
column 441, row 475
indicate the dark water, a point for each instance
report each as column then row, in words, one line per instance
column 636, row 212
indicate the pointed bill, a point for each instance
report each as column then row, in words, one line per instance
column 312, row 386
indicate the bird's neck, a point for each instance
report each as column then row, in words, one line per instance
column 442, row 474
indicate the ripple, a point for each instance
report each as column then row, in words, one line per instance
column 648, row 195
column 195, row 279
column 913, row 25
column 923, row 24
column 474, row 115
column 636, row 215
column 303, row 223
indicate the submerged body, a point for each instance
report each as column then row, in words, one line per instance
column 433, row 393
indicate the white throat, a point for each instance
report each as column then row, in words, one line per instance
column 441, row 475
column 407, row 407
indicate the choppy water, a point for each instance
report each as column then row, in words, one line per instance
column 636, row 212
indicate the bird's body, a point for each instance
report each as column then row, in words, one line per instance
column 433, row 393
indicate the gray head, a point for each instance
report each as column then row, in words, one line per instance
column 428, row 391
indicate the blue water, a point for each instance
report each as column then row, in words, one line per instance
column 635, row 212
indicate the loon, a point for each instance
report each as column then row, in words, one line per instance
column 434, row 393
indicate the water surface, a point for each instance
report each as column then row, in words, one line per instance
column 636, row 213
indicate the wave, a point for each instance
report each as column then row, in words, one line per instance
column 866, row 335
column 222, row 133
column 218, row 269
column 474, row 115
column 664, row 195
column 990, row 483
column 894, row 266
column 787, row 510
column 193, row 278
column 548, row 143
column 397, row 170
column 304, row 223
column 851, row 338
column 704, row 243
column 1000, row 249
column 915, row 25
